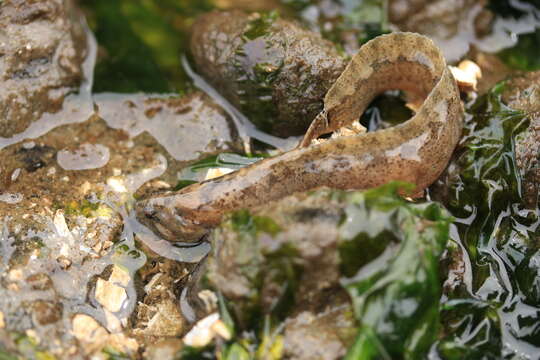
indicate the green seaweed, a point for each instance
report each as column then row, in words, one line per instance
column 26, row 347
column 243, row 221
column 111, row 353
column 397, row 302
column 261, row 25
column 6, row 355
column 278, row 266
column 82, row 207
column 492, row 309
column 408, row 278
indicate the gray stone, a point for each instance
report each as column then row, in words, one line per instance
column 42, row 47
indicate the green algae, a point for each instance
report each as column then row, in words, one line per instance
column 24, row 347
column 396, row 304
column 142, row 43
column 82, row 207
column 492, row 308
column 408, row 278
column 260, row 26
column 256, row 83
column 4, row 355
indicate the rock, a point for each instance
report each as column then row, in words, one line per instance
column 307, row 224
column 94, row 338
column 61, row 228
column 189, row 127
column 110, row 295
column 119, row 276
column 159, row 310
column 46, row 312
column 320, row 336
column 273, row 69
column 61, row 223
column 285, row 255
column 163, row 350
column 39, row 281
column 165, row 320
column 523, row 93
column 493, row 70
column 467, row 74
column 206, row 330
column 458, row 25
column 124, row 344
column 42, row 47
column 89, row 331
column 451, row 24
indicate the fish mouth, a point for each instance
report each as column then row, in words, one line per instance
column 168, row 224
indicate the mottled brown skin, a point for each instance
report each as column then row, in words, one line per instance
column 416, row 151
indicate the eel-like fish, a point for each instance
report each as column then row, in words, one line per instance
column 416, row 151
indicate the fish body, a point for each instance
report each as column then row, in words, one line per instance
column 416, row 151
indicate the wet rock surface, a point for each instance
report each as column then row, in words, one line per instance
column 320, row 335
column 318, row 264
column 58, row 242
column 456, row 26
column 189, row 127
column 287, row 259
column 273, row 69
column 68, row 258
column 452, row 24
column 42, row 47
column 423, row 16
